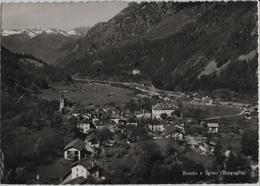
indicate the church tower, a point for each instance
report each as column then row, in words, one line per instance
column 62, row 103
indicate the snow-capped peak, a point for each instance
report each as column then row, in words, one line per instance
column 10, row 32
column 32, row 32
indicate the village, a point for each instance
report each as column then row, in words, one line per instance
column 101, row 128
column 87, row 134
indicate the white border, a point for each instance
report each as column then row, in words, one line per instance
column 82, row 1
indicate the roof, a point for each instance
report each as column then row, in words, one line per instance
column 78, row 180
column 115, row 116
column 165, row 106
column 98, row 122
column 86, row 163
column 94, row 169
column 77, row 144
column 172, row 129
column 132, row 120
column 91, row 136
column 158, row 122
column 213, row 125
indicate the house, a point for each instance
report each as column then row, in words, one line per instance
column 82, row 170
column 160, row 108
column 75, row 150
column 213, row 128
column 199, row 145
column 98, row 123
column 202, row 149
column 75, row 114
column 248, row 115
column 143, row 114
column 157, row 126
column 212, row 146
column 126, row 113
column 90, row 150
column 116, row 114
column 136, row 72
column 85, row 127
column 110, row 143
column 192, row 142
column 207, row 100
column 78, row 180
column 174, row 133
column 92, row 140
column 122, row 122
column 85, row 168
column 132, row 121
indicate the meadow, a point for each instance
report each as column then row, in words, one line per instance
column 87, row 93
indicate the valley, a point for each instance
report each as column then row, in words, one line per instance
column 156, row 93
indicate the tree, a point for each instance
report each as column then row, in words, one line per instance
column 140, row 174
column 164, row 116
column 104, row 134
column 132, row 106
column 237, row 163
column 218, row 151
column 180, row 105
column 176, row 113
column 137, row 132
column 250, row 143
column 160, row 174
column 176, row 172
column 189, row 166
column 37, row 147
column 56, row 121
column 146, row 104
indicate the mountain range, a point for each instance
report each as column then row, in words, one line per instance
column 40, row 42
column 196, row 46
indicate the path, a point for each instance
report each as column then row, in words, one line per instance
column 228, row 116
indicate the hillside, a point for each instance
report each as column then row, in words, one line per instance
column 26, row 75
column 129, row 23
column 210, row 49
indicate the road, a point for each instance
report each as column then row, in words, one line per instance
column 227, row 116
column 142, row 88
column 149, row 91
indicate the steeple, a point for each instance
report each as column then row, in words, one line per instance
column 62, row 103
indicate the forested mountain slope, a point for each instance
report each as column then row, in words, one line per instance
column 214, row 47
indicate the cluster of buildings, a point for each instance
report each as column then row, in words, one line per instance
column 93, row 119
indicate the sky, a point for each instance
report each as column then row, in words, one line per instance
column 58, row 15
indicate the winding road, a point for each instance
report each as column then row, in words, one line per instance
column 227, row 116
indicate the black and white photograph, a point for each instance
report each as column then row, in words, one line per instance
column 129, row 92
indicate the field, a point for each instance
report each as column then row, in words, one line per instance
column 213, row 110
column 86, row 93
